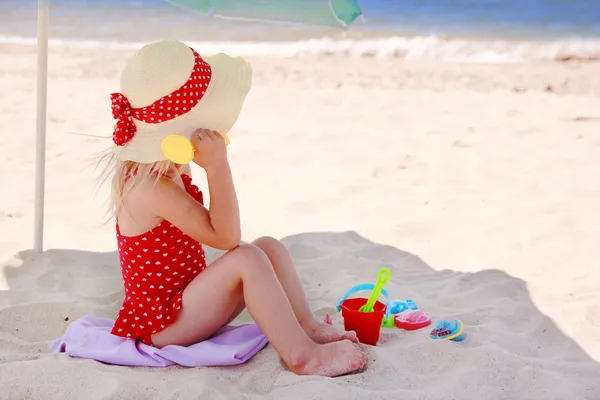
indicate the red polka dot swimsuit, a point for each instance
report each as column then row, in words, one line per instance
column 156, row 267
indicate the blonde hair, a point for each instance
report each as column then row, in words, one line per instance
column 125, row 175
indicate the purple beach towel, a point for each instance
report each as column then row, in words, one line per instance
column 90, row 337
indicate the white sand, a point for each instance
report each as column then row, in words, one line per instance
column 482, row 200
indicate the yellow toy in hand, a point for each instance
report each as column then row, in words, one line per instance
column 180, row 150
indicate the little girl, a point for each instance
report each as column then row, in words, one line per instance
column 173, row 109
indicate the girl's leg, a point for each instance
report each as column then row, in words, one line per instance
column 241, row 306
column 212, row 297
column 283, row 265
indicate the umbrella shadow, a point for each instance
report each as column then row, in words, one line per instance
column 511, row 348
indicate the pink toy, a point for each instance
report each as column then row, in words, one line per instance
column 412, row 320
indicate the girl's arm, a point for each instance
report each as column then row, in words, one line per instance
column 224, row 208
column 218, row 227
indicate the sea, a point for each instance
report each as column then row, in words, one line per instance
column 437, row 30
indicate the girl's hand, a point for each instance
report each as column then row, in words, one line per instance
column 210, row 149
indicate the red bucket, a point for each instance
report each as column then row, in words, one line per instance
column 366, row 324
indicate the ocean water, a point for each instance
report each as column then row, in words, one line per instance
column 444, row 30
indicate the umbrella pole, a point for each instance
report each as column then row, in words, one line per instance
column 40, row 142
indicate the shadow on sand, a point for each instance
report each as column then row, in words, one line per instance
column 512, row 351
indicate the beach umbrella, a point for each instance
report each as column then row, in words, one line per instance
column 333, row 13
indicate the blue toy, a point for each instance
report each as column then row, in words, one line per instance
column 398, row 306
column 445, row 330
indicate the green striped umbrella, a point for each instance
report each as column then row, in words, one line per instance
column 334, row 13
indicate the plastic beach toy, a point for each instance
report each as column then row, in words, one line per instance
column 382, row 278
column 412, row 320
column 180, row 150
column 396, row 307
column 453, row 330
column 366, row 325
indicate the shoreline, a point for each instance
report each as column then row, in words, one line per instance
column 420, row 48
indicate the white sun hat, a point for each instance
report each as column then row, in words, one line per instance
column 167, row 92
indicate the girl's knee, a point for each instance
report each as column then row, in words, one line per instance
column 268, row 245
column 251, row 256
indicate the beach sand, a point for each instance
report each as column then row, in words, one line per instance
column 477, row 184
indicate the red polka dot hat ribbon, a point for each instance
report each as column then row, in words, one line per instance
column 164, row 109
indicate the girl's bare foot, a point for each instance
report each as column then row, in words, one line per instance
column 322, row 333
column 331, row 359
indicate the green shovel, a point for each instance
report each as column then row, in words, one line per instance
column 382, row 277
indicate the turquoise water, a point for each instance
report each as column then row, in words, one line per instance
column 439, row 29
